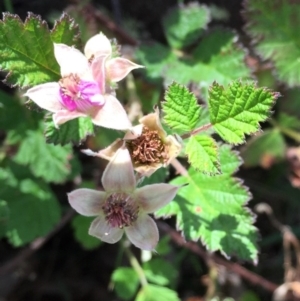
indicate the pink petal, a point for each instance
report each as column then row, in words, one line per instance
column 97, row 45
column 102, row 230
column 155, row 196
column 70, row 60
column 143, row 233
column 46, row 96
column 64, row 116
column 98, row 71
column 111, row 115
column 87, row 202
column 118, row 175
column 118, row 68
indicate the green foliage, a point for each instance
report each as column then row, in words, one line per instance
column 274, row 25
column 74, row 131
column 159, row 176
column 81, row 225
column 184, row 25
column 269, row 145
column 212, row 209
column 33, row 209
column 4, row 217
column 238, row 109
column 26, row 49
column 181, row 109
column 126, row 282
column 150, row 292
column 202, row 153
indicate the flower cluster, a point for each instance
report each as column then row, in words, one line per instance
column 86, row 88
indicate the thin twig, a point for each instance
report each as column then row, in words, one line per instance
column 196, row 131
column 34, row 246
column 234, row 267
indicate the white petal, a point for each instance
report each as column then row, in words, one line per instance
column 98, row 71
column 46, row 96
column 102, row 230
column 155, row 196
column 134, row 132
column 87, row 202
column 70, row 60
column 118, row 175
column 143, row 233
column 118, row 68
column 111, row 115
column 97, row 45
column 63, row 116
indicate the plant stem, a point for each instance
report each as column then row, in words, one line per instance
column 136, row 266
column 196, row 131
column 8, row 6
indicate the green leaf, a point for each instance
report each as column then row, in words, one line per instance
column 159, row 176
column 126, row 282
column 288, row 121
column 50, row 162
column 26, row 51
column 33, row 209
column 81, row 225
column 268, row 146
column 151, row 292
column 181, row 109
column 4, row 217
column 74, row 131
column 212, row 209
column 160, row 271
column 202, row 153
column 185, row 24
column 238, row 109
column 273, row 25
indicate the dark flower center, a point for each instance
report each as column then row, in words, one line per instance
column 148, row 148
column 120, row 210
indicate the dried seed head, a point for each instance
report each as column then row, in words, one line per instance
column 120, row 210
column 148, row 148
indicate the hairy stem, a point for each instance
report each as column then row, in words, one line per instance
column 196, row 131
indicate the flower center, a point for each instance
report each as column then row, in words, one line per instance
column 77, row 94
column 147, row 148
column 120, row 210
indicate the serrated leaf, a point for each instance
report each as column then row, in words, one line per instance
column 237, row 110
column 126, row 282
column 50, row 162
column 202, row 153
column 74, row 131
column 180, row 108
column 33, row 208
column 150, row 292
column 185, row 24
column 81, row 225
column 212, row 209
column 4, row 217
column 273, row 25
column 264, row 149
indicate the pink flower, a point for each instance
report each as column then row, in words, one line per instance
column 122, row 206
column 83, row 89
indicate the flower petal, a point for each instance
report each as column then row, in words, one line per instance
column 118, row 175
column 152, row 122
column 108, row 152
column 118, row 68
column 98, row 71
column 97, row 45
column 155, row 196
column 143, row 233
column 87, row 202
column 134, row 132
column 102, row 230
column 46, row 96
column 70, row 60
column 64, row 116
column 111, row 115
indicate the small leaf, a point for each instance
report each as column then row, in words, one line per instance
column 126, row 282
column 211, row 208
column 202, row 152
column 151, row 292
column 238, row 109
column 81, row 225
column 184, row 25
column 4, row 217
column 74, row 131
column 181, row 109
column 273, row 25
